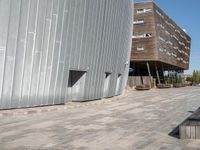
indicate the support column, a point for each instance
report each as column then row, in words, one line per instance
column 138, row 69
column 157, row 74
column 163, row 76
column 149, row 72
column 176, row 76
column 168, row 72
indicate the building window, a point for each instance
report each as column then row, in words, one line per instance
column 138, row 36
column 146, row 35
column 159, row 14
column 181, row 43
column 161, row 50
column 172, row 25
column 188, row 41
column 168, row 53
column 145, row 10
column 139, row 21
column 173, row 54
column 175, row 37
column 161, row 38
column 178, row 31
column 140, row 48
column 187, row 47
column 160, row 25
column 140, row 11
column 167, row 22
column 169, row 42
column 167, row 32
column 175, row 47
column 185, row 37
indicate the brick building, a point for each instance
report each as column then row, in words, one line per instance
column 158, row 44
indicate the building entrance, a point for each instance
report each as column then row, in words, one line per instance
column 106, row 84
column 76, row 85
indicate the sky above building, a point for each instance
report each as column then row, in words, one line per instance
column 186, row 15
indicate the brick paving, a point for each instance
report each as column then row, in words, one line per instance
column 137, row 120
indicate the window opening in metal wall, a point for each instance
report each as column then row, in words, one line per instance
column 106, row 84
column 76, row 85
column 118, row 84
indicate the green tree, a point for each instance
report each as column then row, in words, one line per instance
column 196, row 76
column 189, row 79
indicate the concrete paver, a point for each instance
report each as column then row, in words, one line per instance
column 138, row 120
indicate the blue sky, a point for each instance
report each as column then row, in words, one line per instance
column 186, row 14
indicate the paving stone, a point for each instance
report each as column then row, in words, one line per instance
column 136, row 120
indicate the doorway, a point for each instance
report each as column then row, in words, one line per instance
column 106, row 84
column 76, row 85
column 118, row 84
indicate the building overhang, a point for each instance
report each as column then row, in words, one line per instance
column 158, row 63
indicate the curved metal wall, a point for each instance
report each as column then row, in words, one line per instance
column 42, row 42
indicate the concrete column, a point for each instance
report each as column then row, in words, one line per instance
column 157, row 74
column 149, row 72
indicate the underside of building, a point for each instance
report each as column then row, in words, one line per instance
column 55, row 51
column 155, row 69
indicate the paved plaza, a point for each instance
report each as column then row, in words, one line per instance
column 137, row 120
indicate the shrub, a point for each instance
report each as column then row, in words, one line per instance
column 178, row 85
column 164, row 86
column 142, row 87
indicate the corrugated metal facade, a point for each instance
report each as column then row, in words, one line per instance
column 45, row 44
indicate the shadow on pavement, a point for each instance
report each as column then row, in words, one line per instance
column 175, row 132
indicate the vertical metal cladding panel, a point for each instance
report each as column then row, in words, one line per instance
column 42, row 40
